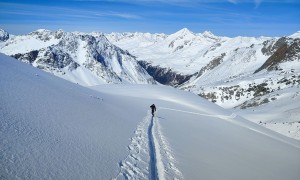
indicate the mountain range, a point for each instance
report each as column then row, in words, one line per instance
column 232, row 72
column 54, row 129
column 81, row 58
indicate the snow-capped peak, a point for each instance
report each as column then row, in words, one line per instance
column 96, row 34
column 208, row 34
column 83, row 58
column 40, row 31
column 183, row 32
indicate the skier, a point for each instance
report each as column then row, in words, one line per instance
column 153, row 109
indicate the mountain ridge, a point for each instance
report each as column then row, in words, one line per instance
column 79, row 57
column 205, row 65
column 208, row 65
column 220, row 69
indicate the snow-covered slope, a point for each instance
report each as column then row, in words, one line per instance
column 202, row 62
column 279, row 111
column 81, row 58
column 186, row 52
column 240, row 72
column 54, row 129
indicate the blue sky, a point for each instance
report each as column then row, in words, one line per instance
column 222, row 17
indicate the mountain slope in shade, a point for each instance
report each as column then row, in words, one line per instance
column 78, row 57
column 54, row 129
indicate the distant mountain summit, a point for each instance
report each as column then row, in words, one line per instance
column 87, row 59
column 232, row 72
column 3, row 35
column 227, row 71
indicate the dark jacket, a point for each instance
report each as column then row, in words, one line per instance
column 153, row 108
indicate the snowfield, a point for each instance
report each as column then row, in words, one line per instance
column 53, row 129
column 281, row 115
column 234, row 73
column 227, row 71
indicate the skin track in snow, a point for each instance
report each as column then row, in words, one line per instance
column 53, row 129
column 149, row 155
column 152, row 165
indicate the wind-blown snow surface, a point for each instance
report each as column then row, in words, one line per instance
column 53, row 129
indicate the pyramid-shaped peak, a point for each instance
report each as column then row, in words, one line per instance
column 184, row 31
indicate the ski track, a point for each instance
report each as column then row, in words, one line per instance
column 150, row 156
column 153, row 173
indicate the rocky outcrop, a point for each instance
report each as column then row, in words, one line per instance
column 55, row 59
column 164, row 75
column 270, row 46
column 285, row 49
column 29, row 57
column 4, row 36
column 212, row 64
column 253, row 93
column 94, row 58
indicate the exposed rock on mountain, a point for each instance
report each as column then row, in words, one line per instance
column 164, row 75
column 218, row 68
column 285, row 50
column 212, row 64
column 81, row 58
column 3, row 35
column 227, row 71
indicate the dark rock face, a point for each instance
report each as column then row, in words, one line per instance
column 164, row 75
column 168, row 77
column 29, row 57
column 276, row 58
column 56, row 59
column 50, row 59
column 3, row 35
column 270, row 47
column 286, row 50
column 212, row 64
column 293, row 52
